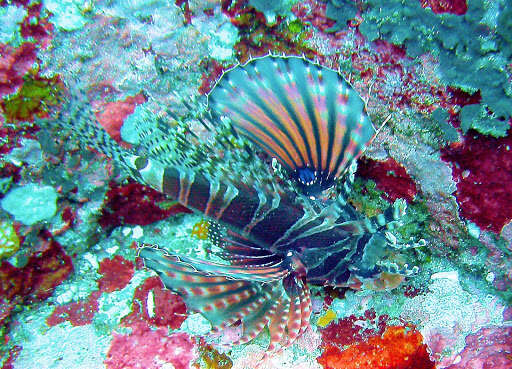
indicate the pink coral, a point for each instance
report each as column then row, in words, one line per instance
column 117, row 273
column 136, row 204
column 113, row 114
column 489, row 348
column 36, row 280
column 150, row 349
column 169, row 309
column 397, row 348
column 77, row 313
column 14, row 64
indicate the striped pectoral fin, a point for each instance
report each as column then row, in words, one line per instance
column 294, row 320
column 255, row 323
column 277, row 327
column 305, row 301
column 300, row 308
column 304, row 115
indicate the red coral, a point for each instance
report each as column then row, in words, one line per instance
column 169, row 308
column 314, row 14
column 14, row 64
column 135, row 204
column 398, row 348
column 114, row 113
column 11, row 358
column 390, row 176
column 489, row 348
column 117, row 273
column 350, row 330
column 77, row 313
column 257, row 38
column 482, row 169
column 150, row 349
column 36, row 280
column 36, row 27
column 12, row 136
column 457, row 7
column 213, row 72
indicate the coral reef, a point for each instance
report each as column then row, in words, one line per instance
column 398, row 348
column 437, row 72
column 136, row 204
column 481, row 167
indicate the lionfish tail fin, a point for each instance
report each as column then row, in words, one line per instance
column 306, row 116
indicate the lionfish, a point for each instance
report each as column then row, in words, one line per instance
column 282, row 132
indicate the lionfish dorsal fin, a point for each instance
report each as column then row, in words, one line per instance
column 306, row 116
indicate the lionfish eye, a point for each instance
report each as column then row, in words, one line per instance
column 306, row 175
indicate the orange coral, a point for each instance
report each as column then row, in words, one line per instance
column 398, row 348
column 213, row 359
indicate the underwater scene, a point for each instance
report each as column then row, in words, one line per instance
column 230, row 184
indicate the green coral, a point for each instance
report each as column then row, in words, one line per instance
column 473, row 50
column 9, row 240
column 32, row 99
column 366, row 198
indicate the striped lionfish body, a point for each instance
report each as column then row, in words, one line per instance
column 274, row 239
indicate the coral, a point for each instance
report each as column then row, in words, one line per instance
column 36, row 27
column 116, row 273
column 272, row 9
column 9, row 239
column 390, row 177
column 398, row 348
column 257, row 38
column 446, row 314
column 340, row 11
column 482, row 169
column 213, row 72
column 32, row 100
column 113, row 114
column 367, row 198
column 471, row 56
column 36, row 280
column 457, row 7
column 151, row 349
column 201, row 229
column 136, row 204
column 14, row 64
column 488, row 348
column 352, row 329
column 213, row 359
column 12, row 136
column 10, row 17
column 141, row 56
column 326, row 318
column 156, row 305
column 68, row 15
column 31, row 203
column 77, row 313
